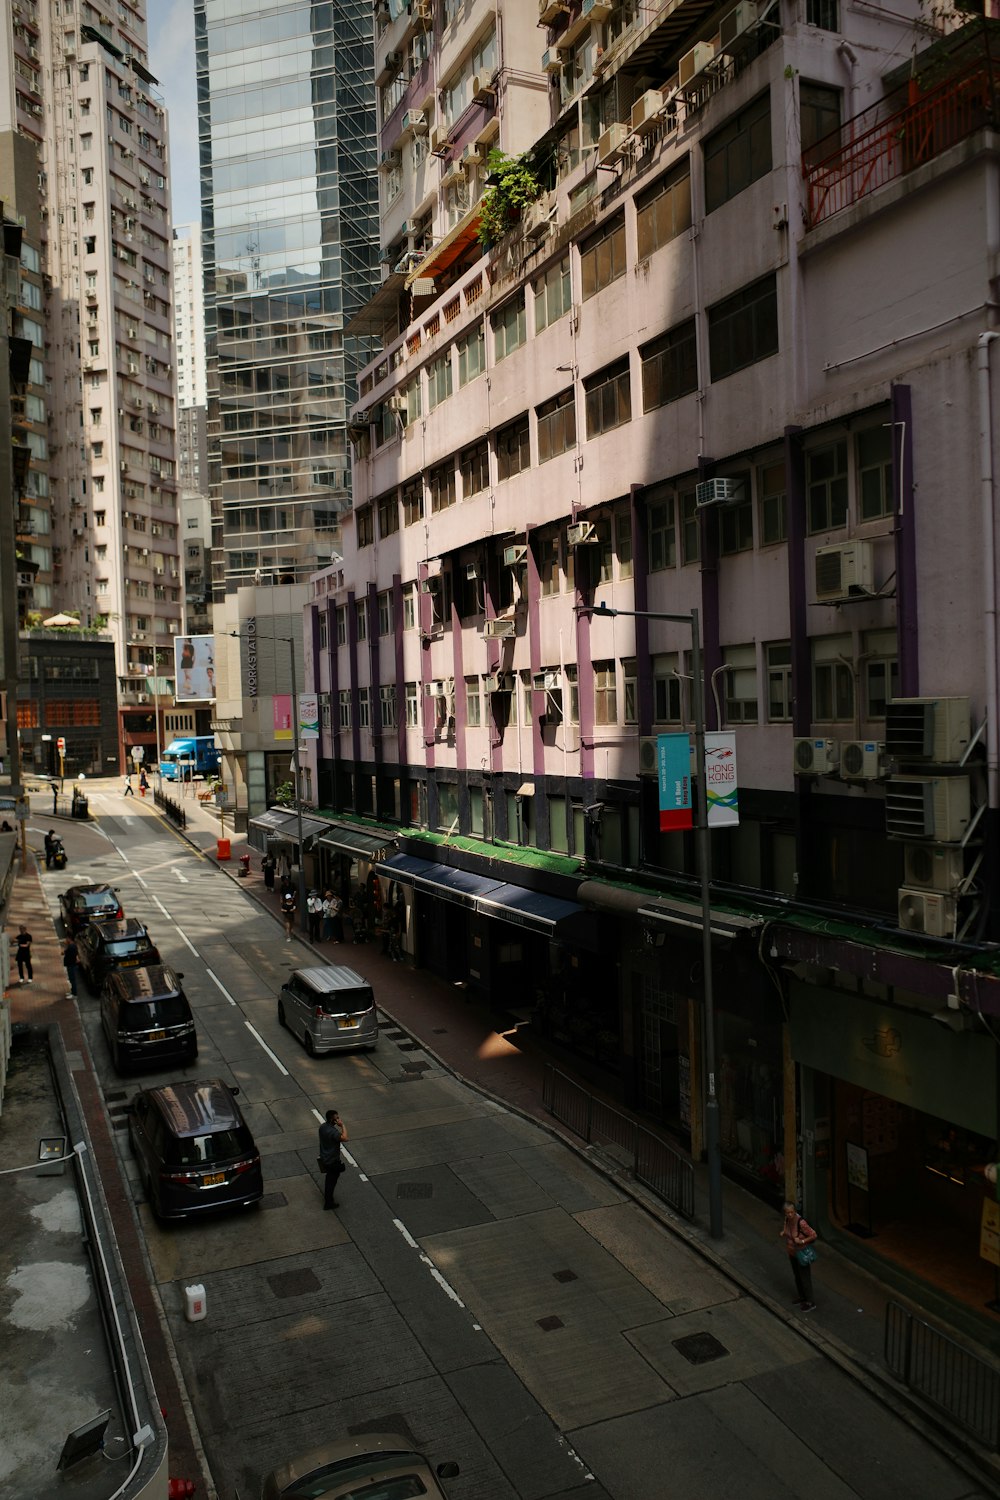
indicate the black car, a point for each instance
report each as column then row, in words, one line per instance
column 88, row 903
column 194, row 1149
column 147, row 1019
column 104, row 946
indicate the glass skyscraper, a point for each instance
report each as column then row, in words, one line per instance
column 290, row 230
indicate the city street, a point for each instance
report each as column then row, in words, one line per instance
column 481, row 1288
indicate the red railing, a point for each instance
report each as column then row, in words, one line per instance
column 891, row 139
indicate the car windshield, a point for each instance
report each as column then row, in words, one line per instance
column 328, row 1482
column 221, row 1145
column 146, row 1015
column 129, row 945
column 89, row 899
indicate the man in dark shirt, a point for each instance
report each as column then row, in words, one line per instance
column 71, row 956
column 331, row 1133
column 22, row 945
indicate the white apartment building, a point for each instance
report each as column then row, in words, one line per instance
column 713, row 368
column 189, row 316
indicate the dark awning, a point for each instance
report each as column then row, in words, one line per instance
column 438, row 880
column 551, row 915
column 380, row 309
column 278, row 824
column 356, row 842
column 724, row 924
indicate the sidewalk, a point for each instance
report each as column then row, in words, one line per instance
column 849, row 1321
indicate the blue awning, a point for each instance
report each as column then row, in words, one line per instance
column 437, row 880
column 565, row 921
column 513, row 903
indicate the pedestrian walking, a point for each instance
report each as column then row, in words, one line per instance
column 50, row 848
column 330, row 1162
column 71, row 957
column 289, row 904
column 55, row 797
column 798, row 1237
column 267, row 866
column 22, row 952
column 128, row 787
column 314, row 913
column 333, row 925
column 143, row 783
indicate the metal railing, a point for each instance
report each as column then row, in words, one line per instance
column 173, row 810
column 946, row 1374
column 666, row 1172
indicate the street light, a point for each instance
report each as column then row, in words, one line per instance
column 713, row 1143
column 289, row 641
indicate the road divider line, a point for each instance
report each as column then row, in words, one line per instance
column 445, row 1286
column 407, row 1236
column 349, row 1157
column 160, row 904
column 260, row 1040
column 182, row 934
column 218, row 982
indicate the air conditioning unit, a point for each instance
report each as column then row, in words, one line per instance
column 429, row 585
column 387, row 694
column 437, row 688
column 930, row 912
column 551, row 10
column 927, row 729
column 415, row 122
column 645, row 110
column 732, row 26
column 936, row 808
column 362, row 418
column 694, row 62
column 580, row 533
column 551, row 61
column 397, row 404
column 422, row 10
column 471, row 155
column 861, row 760
column 843, row 571
column 439, row 139
column 611, row 144
column 932, row 869
column 596, row 11
column 815, row 757
column 499, row 630
column 515, row 555
column 716, row 492
column 545, row 682
column 452, row 172
column 537, row 219
column 649, row 755
column 389, row 160
column 498, row 682
column 483, row 91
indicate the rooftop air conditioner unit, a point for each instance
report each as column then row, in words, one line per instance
column 515, row 555
column 645, row 110
column 861, row 760
column 580, row 532
column 499, row 630
column 930, row 912
column 545, row 682
column 732, row 26
column 843, row 571
column 927, row 729
column 815, row 757
column 694, row 62
column 715, row 492
column 551, row 61
column 935, row 808
column 611, row 144
column 933, row 869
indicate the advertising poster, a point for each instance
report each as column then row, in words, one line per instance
column 308, row 716
column 194, row 668
column 721, row 782
column 673, row 761
column 282, row 716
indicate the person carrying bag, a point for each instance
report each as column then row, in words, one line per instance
column 799, row 1237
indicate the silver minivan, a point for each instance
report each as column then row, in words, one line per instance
column 329, row 1008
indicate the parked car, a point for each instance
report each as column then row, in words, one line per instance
column 104, row 946
column 88, row 903
column 194, row 1148
column 351, row 1467
column 147, row 1019
column 329, row 1008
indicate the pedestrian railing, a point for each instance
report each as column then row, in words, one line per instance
column 173, row 810
column 949, row 1376
column 665, row 1171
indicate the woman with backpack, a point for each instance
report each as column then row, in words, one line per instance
column 798, row 1237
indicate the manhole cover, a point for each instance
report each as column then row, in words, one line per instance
column 700, row 1348
column 409, row 1046
column 274, row 1200
column 294, row 1283
column 548, row 1324
column 564, row 1275
column 414, row 1189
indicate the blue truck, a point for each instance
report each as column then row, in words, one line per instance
column 197, row 756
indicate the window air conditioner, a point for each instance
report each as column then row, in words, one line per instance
column 694, row 62
column 732, row 26
column 545, row 682
column 362, row 418
column 861, row 760
column 716, row 492
column 497, row 682
column 815, row 757
column 397, row 404
column 551, row 10
column 580, row 532
column 471, row 155
column 414, row 123
column 645, row 110
column 551, row 61
column 538, row 216
column 471, row 571
column 439, row 139
column 927, row 729
column 611, row 144
column 935, row 808
column 429, row 585
column 435, row 688
column 389, row 160
column 649, row 755
column 499, row 630
column 483, row 91
column 596, row 11
column 387, row 694
column 515, row 555
column 931, row 869
column 843, row 571
column 931, row 912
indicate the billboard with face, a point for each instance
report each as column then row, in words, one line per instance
column 194, row 668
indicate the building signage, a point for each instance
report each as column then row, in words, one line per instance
column 721, row 783
column 194, row 668
column 308, row 716
column 673, row 764
column 282, row 708
column 251, row 640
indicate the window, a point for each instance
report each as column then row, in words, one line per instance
column 366, row 526
column 413, row 502
column 344, row 709
column 630, row 686
column 527, row 706
column 881, row 670
column 666, row 689
column 741, row 684
column 475, row 465
column 602, row 259
column 556, row 426
column 471, row 355
column 341, row 615
column 664, row 211
column 669, row 366
column 623, row 542
column 605, row 693
column 690, row 529
column 778, row 657
column 826, row 486
column 833, row 679
column 388, row 515
column 874, row 450
column 513, row 451
column 439, row 380
column 361, row 618
column 738, row 154
column 509, row 329
column 409, row 606
column 414, row 403
column 387, row 704
column 819, row 109
column 547, row 556
column 772, row 518
column 660, row 529
column 324, row 632
column 473, row 703
column 743, row 328
column 736, row 520
column 824, row 14
column 412, row 712
column 364, row 708
column 608, row 399
column 442, row 486
column 385, row 612
column 553, row 295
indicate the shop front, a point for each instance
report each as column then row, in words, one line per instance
column 276, row 832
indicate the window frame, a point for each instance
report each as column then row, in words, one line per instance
column 603, row 258
column 669, row 366
column 556, row 419
column 743, row 328
column 611, row 387
column 739, row 153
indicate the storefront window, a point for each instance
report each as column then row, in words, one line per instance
column 751, row 1117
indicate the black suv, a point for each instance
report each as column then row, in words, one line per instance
column 104, row 946
column 88, row 903
column 147, row 1019
column 194, row 1149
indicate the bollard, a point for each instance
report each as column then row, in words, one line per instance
column 194, row 1303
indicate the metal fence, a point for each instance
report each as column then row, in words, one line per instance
column 666, row 1172
column 172, row 809
column 946, row 1374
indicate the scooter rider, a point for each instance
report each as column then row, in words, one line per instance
column 50, row 847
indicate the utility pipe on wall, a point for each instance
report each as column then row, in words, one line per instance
column 989, row 561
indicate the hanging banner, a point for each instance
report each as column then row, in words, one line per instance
column 282, row 707
column 673, row 762
column 721, row 782
column 308, row 716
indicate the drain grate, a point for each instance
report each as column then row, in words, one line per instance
column 396, row 1036
column 414, row 1189
column 700, row 1348
column 564, row 1275
column 294, row 1283
column 274, row 1200
column 410, row 1046
column 548, row 1325
column 415, row 1067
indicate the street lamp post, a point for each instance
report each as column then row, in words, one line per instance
column 713, row 1138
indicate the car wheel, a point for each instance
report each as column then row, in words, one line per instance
column 310, row 1044
column 282, row 1020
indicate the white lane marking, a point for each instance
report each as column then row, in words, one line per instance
column 182, row 934
column 182, row 878
column 344, row 1152
column 160, row 904
column 140, row 880
column 260, row 1040
column 407, row 1236
column 216, row 981
column 445, row 1286
column 318, row 1116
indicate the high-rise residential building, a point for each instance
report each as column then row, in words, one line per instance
column 189, row 316
column 76, row 88
column 699, row 431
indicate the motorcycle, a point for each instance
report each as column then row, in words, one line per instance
column 58, row 855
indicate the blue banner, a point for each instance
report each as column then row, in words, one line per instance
column 673, row 762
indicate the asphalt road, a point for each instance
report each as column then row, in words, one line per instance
column 481, row 1290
